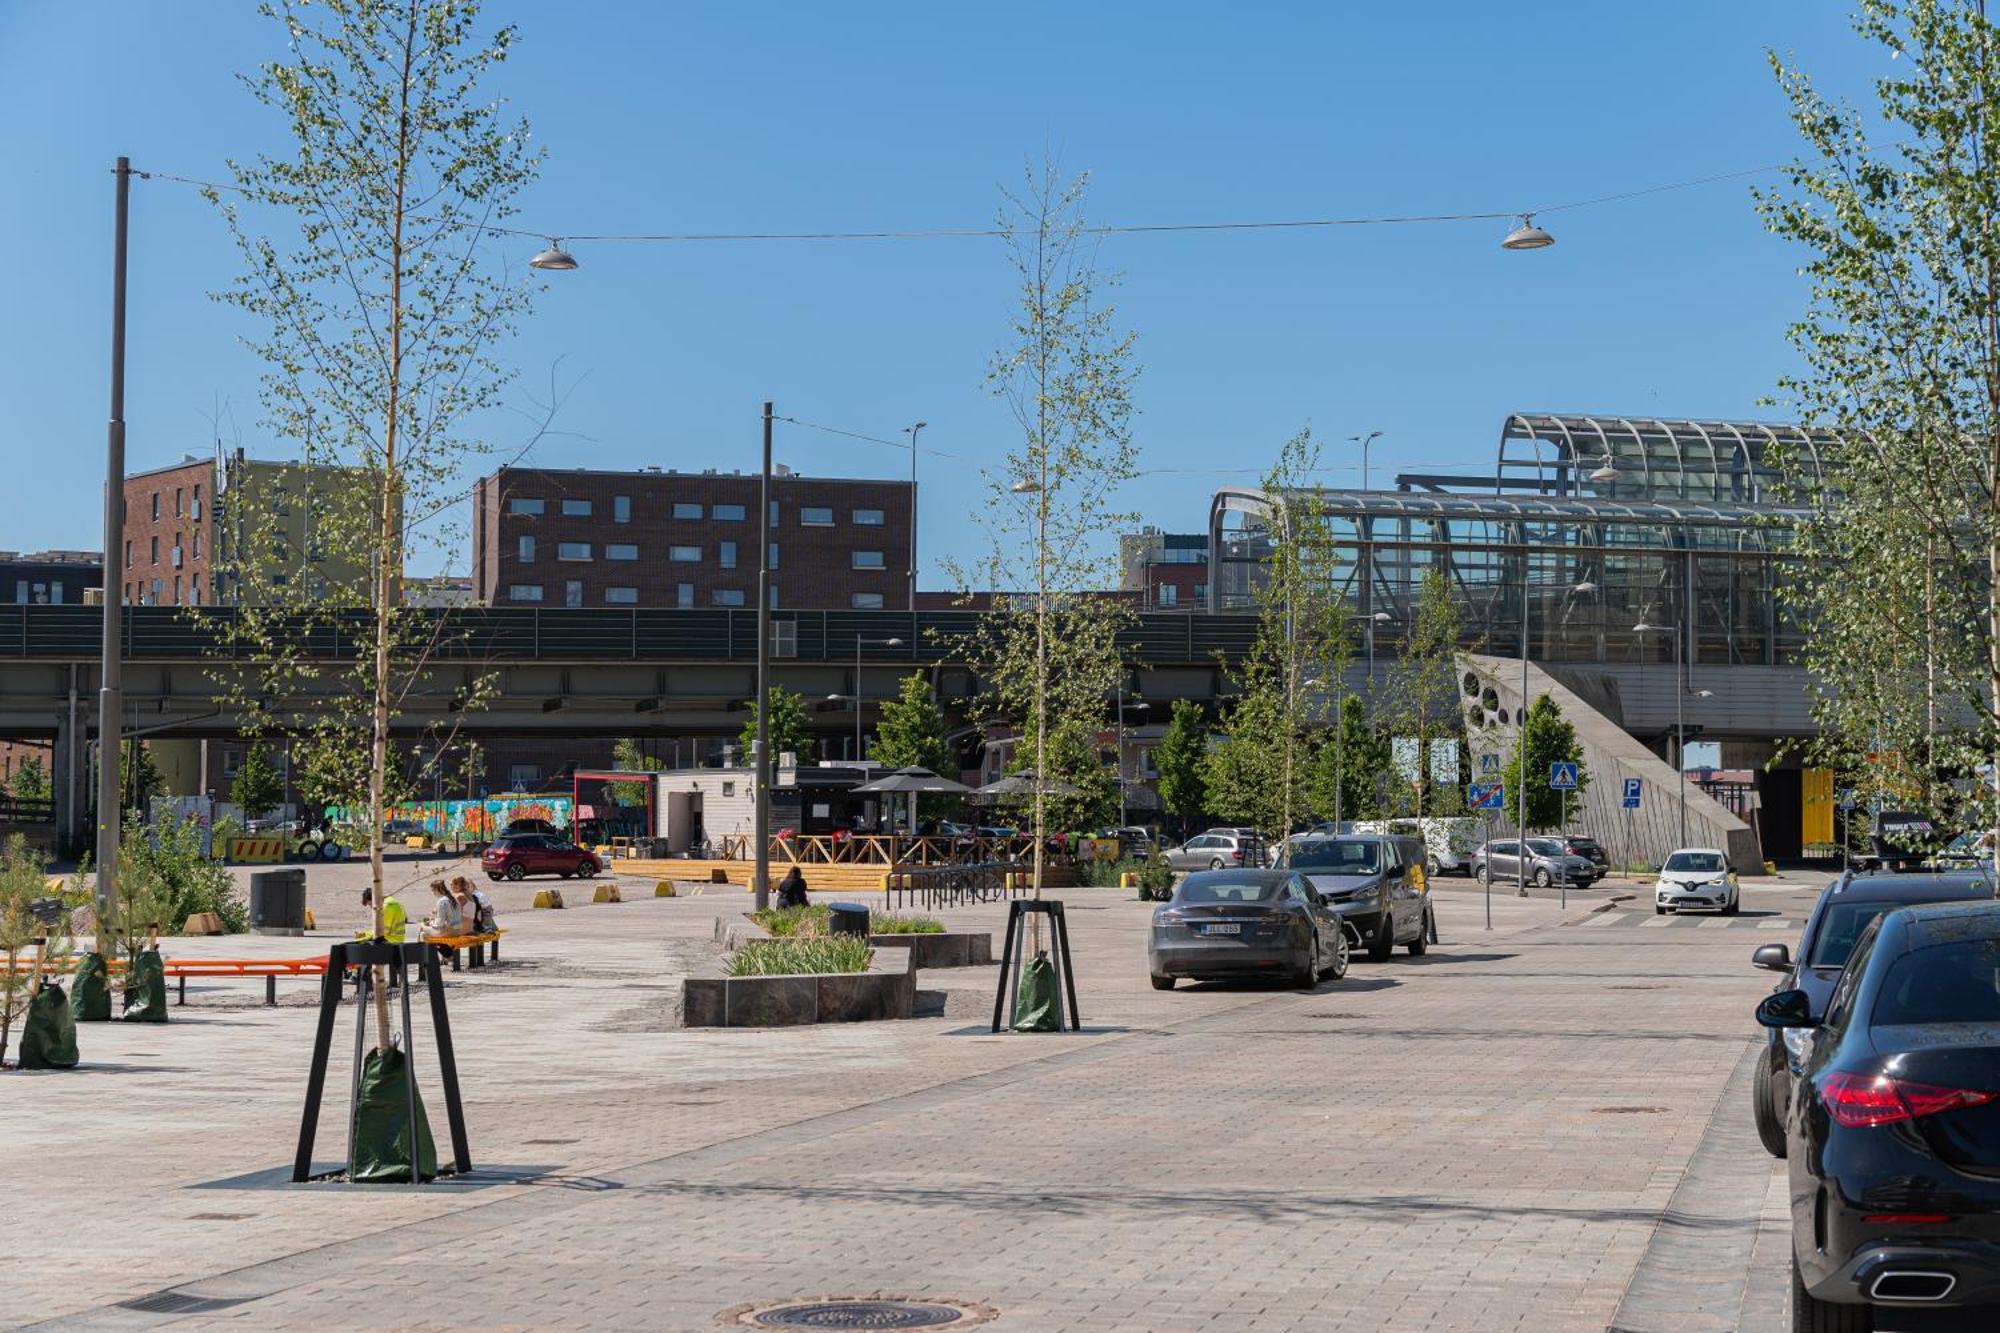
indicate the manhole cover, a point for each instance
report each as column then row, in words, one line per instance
column 1628, row 1110
column 1635, row 988
column 866, row 1313
column 174, row 1302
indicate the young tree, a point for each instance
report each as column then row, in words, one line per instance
column 257, row 787
column 1079, row 790
column 1421, row 703
column 22, row 880
column 1899, row 581
column 911, row 735
column 627, row 755
column 31, row 780
column 1180, row 758
column 1352, row 767
column 790, row 733
column 1548, row 738
column 363, row 252
column 1048, row 654
column 140, row 776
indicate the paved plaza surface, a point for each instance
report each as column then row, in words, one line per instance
column 1539, row 1126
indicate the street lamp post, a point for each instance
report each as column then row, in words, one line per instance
column 1521, row 728
column 1364, row 441
column 911, row 431
column 760, row 780
column 1142, row 706
column 1681, row 692
column 110, row 702
column 858, row 641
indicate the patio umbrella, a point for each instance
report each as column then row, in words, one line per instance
column 913, row 781
column 1021, row 786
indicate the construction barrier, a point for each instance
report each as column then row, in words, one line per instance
column 257, row 851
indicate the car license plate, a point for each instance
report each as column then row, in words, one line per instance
column 1226, row 928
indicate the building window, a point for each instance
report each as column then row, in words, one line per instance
column 683, row 509
column 726, row 553
column 572, row 550
column 197, row 543
column 128, row 594
column 621, row 596
column 868, row 560
column 156, row 550
column 774, row 513
column 774, row 596
column 524, row 592
column 866, row 601
column 867, row 518
column 621, row 551
column 180, row 502
column 197, row 504
column 815, row 516
column 128, row 553
column 177, row 590
column 774, row 555
column 728, row 596
column 621, row 509
column 684, row 555
column 728, row 789
column 784, row 638
column 194, row 588
column 684, row 594
column 727, row 513
column 1201, row 592
column 1169, row 595
column 576, row 508
column 156, row 505
column 573, row 593
column 527, row 550
column 532, row 508
column 523, row 776
column 154, row 600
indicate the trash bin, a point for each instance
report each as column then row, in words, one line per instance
column 278, row 902
column 846, row 919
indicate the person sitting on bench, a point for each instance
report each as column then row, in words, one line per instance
column 792, row 889
column 444, row 918
column 484, row 919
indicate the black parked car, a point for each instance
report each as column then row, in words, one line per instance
column 1844, row 909
column 1246, row 923
column 1894, row 1132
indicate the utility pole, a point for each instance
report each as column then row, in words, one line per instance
column 760, row 765
column 110, row 701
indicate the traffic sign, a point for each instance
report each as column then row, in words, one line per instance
column 1562, row 775
column 1632, row 793
column 1489, row 763
column 1486, row 796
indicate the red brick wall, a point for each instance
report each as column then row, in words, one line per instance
column 145, row 534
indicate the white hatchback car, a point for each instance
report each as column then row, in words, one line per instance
column 1697, row 879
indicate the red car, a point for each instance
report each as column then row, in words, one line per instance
column 519, row 855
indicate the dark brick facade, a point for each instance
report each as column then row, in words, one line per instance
column 48, row 578
column 555, row 537
column 168, row 555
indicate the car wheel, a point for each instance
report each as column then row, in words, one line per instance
column 1811, row 1315
column 585, row 869
column 1163, row 983
column 1479, row 872
column 493, row 875
column 517, row 872
column 1659, row 910
column 1735, row 905
column 1340, row 956
column 1422, row 942
column 1541, row 877
column 1306, row 975
column 1770, row 1126
column 1215, row 863
column 1384, row 942
column 1432, row 868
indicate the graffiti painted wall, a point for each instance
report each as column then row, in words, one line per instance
column 477, row 821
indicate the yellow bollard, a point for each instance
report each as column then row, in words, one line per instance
column 606, row 893
column 664, row 889
column 550, row 898
column 1128, row 879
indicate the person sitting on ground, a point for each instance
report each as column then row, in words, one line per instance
column 792, row 889
column 394, row 918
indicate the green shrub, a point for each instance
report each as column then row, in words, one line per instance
column 168, row 870
column 798, row 955
column 886, row 924
column 785, row 922
column 1156, row 879
column 1104, row 874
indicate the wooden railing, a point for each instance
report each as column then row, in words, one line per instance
column 891, row 852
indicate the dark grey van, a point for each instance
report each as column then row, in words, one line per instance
column 1376, row 882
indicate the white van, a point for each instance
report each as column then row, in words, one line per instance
column 1448, row 842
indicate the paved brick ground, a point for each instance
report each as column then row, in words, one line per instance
column 1485, row 1138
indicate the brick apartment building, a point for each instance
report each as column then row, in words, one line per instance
column 49, row 578
column 187, row 525
column 573, row 537
column 1167, row 571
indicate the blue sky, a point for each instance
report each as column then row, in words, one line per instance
column 782, row 117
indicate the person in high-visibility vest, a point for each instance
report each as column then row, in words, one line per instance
column 394, row 918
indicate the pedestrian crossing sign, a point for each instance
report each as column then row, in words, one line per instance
column 1562, row 775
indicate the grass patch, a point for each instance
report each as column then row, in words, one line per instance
column 886, row 924
column 786, row 922
column 798, row 955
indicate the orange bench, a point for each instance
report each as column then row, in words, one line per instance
column 268, row 968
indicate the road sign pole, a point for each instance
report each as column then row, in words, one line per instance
column 1562, row 866
column 1486, row 880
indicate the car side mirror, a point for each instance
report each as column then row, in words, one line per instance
column 1772, row 958
column 1786, row 1009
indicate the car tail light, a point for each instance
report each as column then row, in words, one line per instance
column 1907, row 1219
column 1858, row 1101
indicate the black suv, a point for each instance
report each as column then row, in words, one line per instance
column 1844, row 909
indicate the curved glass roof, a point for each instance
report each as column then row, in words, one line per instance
column 1728, row 461
column 1519, row 509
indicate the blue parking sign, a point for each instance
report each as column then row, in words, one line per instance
column 1631, row 793
column 1562, row 775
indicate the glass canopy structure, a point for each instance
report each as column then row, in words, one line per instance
column 1685, row 535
